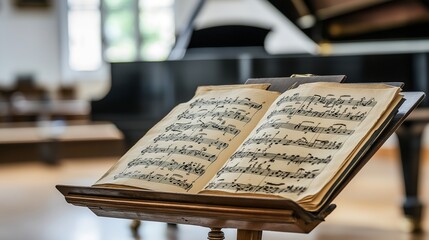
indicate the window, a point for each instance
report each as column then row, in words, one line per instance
column 120, row 30
column 130, row 30
column 84, row 35
column 156, row 29
column 138, row 29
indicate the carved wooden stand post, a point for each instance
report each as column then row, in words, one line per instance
column 216, row 234
column 248, row 234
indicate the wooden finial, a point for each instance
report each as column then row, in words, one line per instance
column 216, row 234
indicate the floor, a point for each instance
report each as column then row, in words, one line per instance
column 31, row 207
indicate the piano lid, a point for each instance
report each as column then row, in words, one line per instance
column 334, row 27
column 355, row 20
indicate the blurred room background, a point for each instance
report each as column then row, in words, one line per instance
column 82, row 80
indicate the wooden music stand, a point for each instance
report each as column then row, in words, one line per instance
column 250, row 216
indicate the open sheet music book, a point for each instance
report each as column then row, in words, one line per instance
column 245, row 140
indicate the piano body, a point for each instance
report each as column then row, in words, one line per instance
column 143, row 92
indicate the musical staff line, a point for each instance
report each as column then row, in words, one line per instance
column 196, row 138
column 300, row 142
column 328, row 101
column 159, row 178
column 336, row 128
column 328, row 114
column 250, row 188
column 230, row 129
column 188, row 168
column 299, row 174
column 244, row 102
column 182, row 151
column 290, row 158
column 235, row 115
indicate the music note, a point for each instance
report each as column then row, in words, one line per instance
column 199, row 139
column 158, row 178
column 260, row 171
column 188, row 167
column 289, row 158
column 301, row 142
column 271, row 188
column 184, row 150
column 230, row 101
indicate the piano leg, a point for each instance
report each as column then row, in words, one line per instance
column 410, row 138
column 135, row 225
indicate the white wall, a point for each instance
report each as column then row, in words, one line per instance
column 29, row 44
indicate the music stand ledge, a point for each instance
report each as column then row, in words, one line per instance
column 250, row 216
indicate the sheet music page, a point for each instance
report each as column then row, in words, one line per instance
column 314, row 202
column 303, row 140
column 185, row 149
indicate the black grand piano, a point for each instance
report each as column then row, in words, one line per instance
column 143, row 92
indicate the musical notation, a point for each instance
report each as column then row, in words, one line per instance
column 187, row 167
column 268, row 187
column 231, row 101
column 285, row 126
column 338, row 114
column 308, row 126
column 158, row 178
column 301, row 173
column 196, row 138
column 230, row 129
column 184, row 150
column 204, row 123
column 289, row 99
column 239, row 115
column 319, row 132
column 328, row 101
column 290, row 158
column 301, row 142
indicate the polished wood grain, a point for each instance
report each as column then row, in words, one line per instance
column 216, row 234
column 249, row 235
column 201, row 210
